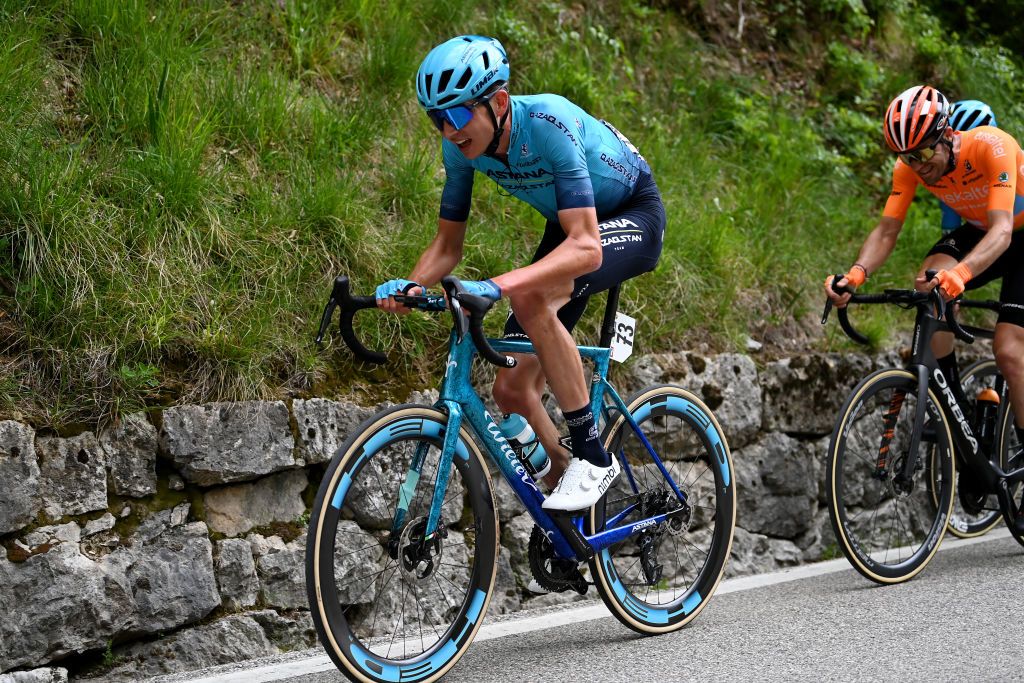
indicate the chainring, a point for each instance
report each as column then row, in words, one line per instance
column 972, row 497
column 552, row 573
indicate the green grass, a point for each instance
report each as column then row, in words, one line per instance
column 180, row 182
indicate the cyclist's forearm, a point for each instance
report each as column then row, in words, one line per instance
column 580, row 253
column 566, row 262
column 992, row 245
column 443, row 254
column 433, row 266
column 879, row 245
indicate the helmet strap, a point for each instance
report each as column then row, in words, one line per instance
column 499, row 128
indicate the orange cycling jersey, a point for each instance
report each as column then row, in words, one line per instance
column 989, row 176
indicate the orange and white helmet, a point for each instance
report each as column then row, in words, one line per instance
column 916, row 116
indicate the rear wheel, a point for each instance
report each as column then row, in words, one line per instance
column 1012, row 452
column 659, row 579
column 984, row 509
column 889, row 528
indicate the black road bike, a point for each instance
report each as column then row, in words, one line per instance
column 900, row 440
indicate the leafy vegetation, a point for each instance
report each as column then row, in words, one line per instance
column 180, row 181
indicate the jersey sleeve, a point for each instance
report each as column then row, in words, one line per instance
column 561, row 136
column 904, row 184
column 950, row 219
column 997, row 154
column 458, row 185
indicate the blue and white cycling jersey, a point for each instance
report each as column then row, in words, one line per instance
column 559, row 157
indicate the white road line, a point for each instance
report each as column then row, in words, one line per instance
column 321, row 663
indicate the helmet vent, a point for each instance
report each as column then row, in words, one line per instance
column 487, row 61
column 446, row 76
column 429, row 78
column 445, row 100
column 465, row 78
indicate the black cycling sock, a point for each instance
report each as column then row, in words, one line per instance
column 583, row 432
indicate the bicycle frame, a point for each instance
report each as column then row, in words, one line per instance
column 923, row 363
column 460, row 400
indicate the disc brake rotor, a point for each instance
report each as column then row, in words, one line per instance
column 419, row 556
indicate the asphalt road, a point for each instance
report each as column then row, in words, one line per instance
column 961, row 619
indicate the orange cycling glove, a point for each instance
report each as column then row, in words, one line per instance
column 856, row 276
column 953, row 281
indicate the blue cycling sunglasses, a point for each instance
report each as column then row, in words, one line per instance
column 457, row 116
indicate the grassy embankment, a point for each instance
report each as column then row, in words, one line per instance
column 180, row 182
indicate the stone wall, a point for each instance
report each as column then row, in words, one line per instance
column 176, row 540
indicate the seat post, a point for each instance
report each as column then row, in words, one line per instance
column 610, row 309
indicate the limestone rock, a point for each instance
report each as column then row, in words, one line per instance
column 235, row 510
column 287, row 631
column 74, row 475
column 727, row 384
column 76, row 605
column 506, row 502
column 19, row 476
column 505, row 596
column 99, row 525
column 226, row 641
column 324, row 425
column 236, row 573
column 777, row 486
column 219, row 443
column 750, row 554
column 61, row 533
column 56, row 675
column 803, row 394
column 170, row 572
column 130, row 450
column 282, row 574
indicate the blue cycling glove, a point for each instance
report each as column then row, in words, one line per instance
column 485, row 288
column 392, row 287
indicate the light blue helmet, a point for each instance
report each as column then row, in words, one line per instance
column 460, row 70
column 968, row 114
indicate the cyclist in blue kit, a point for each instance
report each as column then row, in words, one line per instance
column 605, row 224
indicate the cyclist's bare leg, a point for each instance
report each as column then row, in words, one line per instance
column 536, row 310
column 521, row 390
column 942, row 342
column 1009, row 351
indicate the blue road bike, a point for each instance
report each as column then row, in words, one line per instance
column 403, row 542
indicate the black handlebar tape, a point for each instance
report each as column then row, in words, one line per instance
column 954, row 325
column 476, row 307
column 844, row 322
column 350, row 305
column 828, row 301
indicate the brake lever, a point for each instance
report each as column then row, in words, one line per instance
column 828, row 301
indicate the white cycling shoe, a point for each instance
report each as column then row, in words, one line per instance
column 582, row 484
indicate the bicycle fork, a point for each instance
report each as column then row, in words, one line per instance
column 412, row 477
column 889, row 428
column 904, row 476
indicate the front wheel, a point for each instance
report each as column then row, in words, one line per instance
column 389, row 601
column 659, row 579
column 889, row 526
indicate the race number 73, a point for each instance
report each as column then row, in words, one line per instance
column 622, row 343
